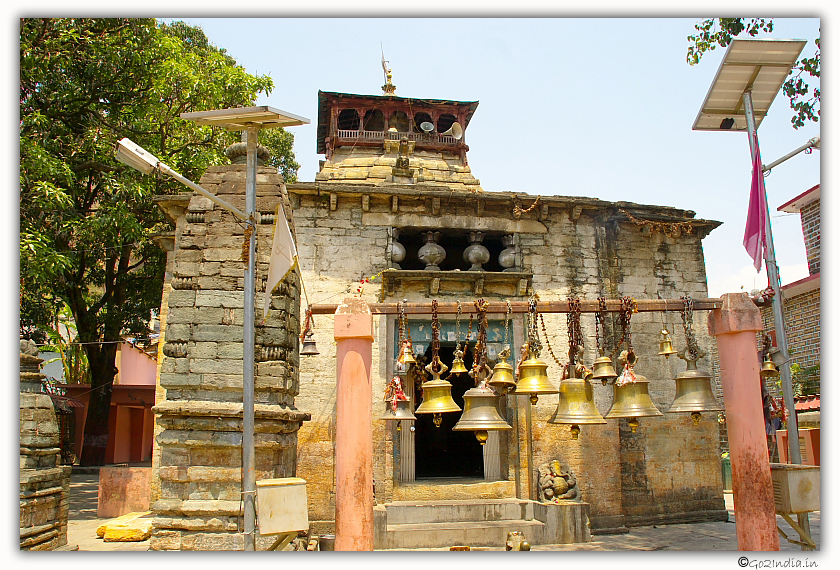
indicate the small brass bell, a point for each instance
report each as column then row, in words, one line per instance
column 533, row 379
column 576, row 405
column 603, row 369
column 403, row 412
column 406, row 355
column 631, row 398
column 694, row 393
column 768, row 369
column 481, row 414
column 437, row 393
column 666, row 347
column 309, row 348
column 458, row 363
column 502, row 379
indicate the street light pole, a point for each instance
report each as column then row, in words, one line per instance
column 249, row 478
column 778, row 318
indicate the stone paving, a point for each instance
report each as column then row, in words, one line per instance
column 711, row 536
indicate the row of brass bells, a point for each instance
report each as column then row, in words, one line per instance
column 533, row 379
column 666, row 347
column 577, row 403
column 632, row 399
column 437, row 393
column 481, row 413
column 309, row 348
column 694, row 392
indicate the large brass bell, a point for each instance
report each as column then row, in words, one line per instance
column 481, row 414
column 631, row 398
column 694, row 392
column 577, row 404
column 458, row 362
column 666, row 347
column 402, row 412
column 533, row 379
column 603, row 369
column 437, row 393
column 406, row 355
column 309, row 348
column 768, row 369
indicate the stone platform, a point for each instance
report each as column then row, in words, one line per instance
column 434, row 524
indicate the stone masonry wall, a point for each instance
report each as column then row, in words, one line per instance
column 669, row 469
column 199, row 423
column 44, row 483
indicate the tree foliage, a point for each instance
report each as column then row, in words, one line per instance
column 87, row 222
column 804, row 98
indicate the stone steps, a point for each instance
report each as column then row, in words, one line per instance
column 482, row 522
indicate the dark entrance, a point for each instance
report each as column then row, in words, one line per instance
column 439, row 451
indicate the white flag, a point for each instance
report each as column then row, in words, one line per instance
column 283, row 256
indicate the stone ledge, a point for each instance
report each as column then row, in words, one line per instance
column 228, row 409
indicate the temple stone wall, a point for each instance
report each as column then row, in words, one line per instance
column 197, row 470
column 44, row 482
column 576, row 247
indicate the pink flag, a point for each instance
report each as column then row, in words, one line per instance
column 755, row 234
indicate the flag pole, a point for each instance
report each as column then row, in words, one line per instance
column 774, row 281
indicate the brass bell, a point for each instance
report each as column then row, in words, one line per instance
column 603, row 369
column 631, row 399
column 533, row 379
column 406, row 355
column 437, row 393
column 458, row 363
column 576, row 405
column 403, row 411
column 481, row 414
column 502, row 379
column 666, row 347
column 309, row 348
column 768, row 369
column 694, row 393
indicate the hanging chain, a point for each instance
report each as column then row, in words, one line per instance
column 458, row 328
column 600, row 329
column 507, row 326
column 548, row 344
column 246, row 243
column 307, row 326
column 692, row 350
column 534, row 344
column 628, row 307
column 480, row 353
column 573, row 327
column 401, row 321
column 435, row 332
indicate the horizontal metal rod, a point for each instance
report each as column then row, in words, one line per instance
column 494, row 307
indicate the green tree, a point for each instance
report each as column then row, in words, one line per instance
column 804, row 98
column 86, row 221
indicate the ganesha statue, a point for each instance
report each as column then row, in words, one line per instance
column 557, row 483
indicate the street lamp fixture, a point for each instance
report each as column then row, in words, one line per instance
column 250, row 120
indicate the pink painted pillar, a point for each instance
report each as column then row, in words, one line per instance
column 354, row 432
column 734, row 326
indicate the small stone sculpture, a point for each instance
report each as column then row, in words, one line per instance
column 557, row 483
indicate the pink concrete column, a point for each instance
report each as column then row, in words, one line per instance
column 353, row 429
column 734, row 326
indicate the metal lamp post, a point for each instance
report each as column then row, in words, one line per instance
column 250, row 120
column 749, row 77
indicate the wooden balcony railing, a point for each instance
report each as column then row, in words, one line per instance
column 427, row 138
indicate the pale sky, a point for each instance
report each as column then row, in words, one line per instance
column 599, row 107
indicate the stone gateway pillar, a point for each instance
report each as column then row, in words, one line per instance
column 199, row 420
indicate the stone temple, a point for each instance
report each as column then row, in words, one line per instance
column 395, row 202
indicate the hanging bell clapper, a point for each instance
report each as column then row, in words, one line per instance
column 633, row 423
column 481, row 436
column 437, row 419
column 575, row 429
column 695, row 418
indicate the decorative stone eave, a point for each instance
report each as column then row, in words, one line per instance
column 228, row 410
column 484, row 224
column 495, row 203
column 437, row 281
column 173, row 205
